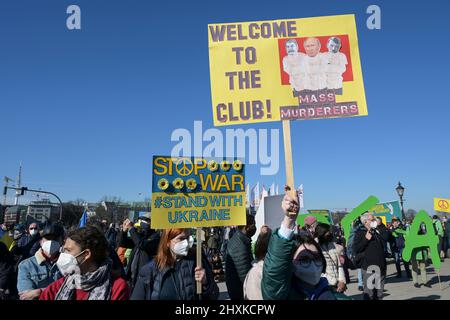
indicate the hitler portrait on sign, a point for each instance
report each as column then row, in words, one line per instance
column 335, row 65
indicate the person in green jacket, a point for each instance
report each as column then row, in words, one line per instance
column 439, row 230
column 446, row 225
column 293, row 271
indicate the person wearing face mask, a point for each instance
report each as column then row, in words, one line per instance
column 86, row 269
column 145, row 246
column 39, row 271
column 238, row 259
column 28, row 243
column 369, row 246
column 172, row 275
column 332, row 252
column 293, row 268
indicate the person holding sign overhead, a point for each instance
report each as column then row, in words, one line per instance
column 172, row 275
column 294, row 271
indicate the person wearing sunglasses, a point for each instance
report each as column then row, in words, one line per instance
column 293, row 268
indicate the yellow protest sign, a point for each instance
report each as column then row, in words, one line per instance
column 197, row 192
column 293, row 69
column 442, row 205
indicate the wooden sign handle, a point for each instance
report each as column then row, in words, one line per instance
column 199, row 256
column 288, row 160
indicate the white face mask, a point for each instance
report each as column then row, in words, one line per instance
column 373, row 224
column 182, row 248
column 310, row 274
column 50, row 247
column 68, row 264
column 33, row 232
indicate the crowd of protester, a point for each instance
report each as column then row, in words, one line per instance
column 132, row 261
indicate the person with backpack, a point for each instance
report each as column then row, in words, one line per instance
column 439, row 231
column 356, row 226
column 399, row 233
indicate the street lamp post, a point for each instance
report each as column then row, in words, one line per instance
column 400, row 191
column 7, row 180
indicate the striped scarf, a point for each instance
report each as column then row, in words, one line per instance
column 98, row 283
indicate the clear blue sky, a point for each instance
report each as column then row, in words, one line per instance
column 86, row 110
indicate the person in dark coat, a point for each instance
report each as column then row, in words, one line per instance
column 8, row 277
column 145, row 242
column 28, row 243
column 213, row 242
column 382, row 227
column 238, row 259
column 173, row 274
column 111, row 236
column 369, row 247
column 398, row 233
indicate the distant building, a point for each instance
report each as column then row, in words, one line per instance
column 15, row 214
column 42, row 211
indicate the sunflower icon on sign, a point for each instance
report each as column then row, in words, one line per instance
column 163, row 184
column 178, row 183
column 191, row 184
